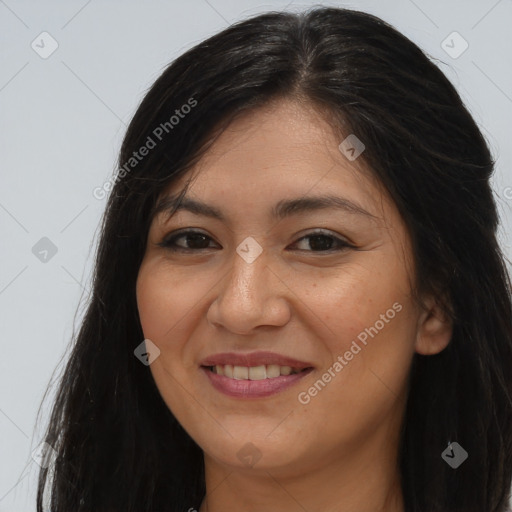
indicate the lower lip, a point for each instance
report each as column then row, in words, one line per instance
column 253, row 388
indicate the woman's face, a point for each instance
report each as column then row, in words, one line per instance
column 321, row 286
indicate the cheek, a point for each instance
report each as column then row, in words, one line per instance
column 170, row 309
column 152, row 301
column 163, row 301
column 350, row 300
column 364, row 381
column 370, row 323
column 165, row 306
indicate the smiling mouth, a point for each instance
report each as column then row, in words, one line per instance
column 261, row 372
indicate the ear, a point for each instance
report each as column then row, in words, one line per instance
column 435, row 329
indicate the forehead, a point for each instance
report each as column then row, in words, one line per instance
column 284, row 134
column 283, row 149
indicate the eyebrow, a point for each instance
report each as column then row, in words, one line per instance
column 284, row 208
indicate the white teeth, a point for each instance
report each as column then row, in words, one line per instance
column 260, row 372
column 273, row 370
column 240, row 372
column 257, row 372
column 286, row 370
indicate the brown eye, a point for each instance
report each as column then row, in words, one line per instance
column 189, row 241
column 321, row 242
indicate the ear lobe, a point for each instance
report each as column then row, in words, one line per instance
column 435, row 329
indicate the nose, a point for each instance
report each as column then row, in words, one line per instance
column 250, row 295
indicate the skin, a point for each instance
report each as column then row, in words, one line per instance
column 338, row 451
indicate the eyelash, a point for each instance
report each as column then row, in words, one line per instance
column 169, row 242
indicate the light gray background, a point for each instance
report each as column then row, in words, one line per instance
column 63, row 119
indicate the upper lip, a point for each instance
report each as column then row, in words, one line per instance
column 254, row 359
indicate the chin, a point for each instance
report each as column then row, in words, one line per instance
column 246, row 452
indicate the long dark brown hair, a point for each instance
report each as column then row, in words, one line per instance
column 117, row 445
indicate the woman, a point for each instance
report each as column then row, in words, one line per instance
column 299, row 300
